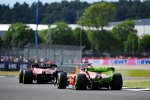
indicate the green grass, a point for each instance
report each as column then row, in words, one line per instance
column 134, row 73
column 9, row 73
column 139, row 73
column 137, row 83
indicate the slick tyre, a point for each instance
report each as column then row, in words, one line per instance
column 20, row 76
column 95, row 86
column 80, row 82
column 62, row 80
column 27, row 77
column 117, row 82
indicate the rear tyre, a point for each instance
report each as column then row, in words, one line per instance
column 117, row 82
column 27, row 77
column 20, row 76
column 62, row 80
column 39, row 81
column 80, row 82
column 95, row 86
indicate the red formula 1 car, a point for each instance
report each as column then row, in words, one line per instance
column 39, row 73
column 94, row 78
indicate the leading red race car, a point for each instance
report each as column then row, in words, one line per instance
column 39, row 73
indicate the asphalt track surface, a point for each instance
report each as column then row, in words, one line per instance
column 10, row 89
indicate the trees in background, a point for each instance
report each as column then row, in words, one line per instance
column 59, row 35
column 69, row 12
column 62, row 34
column 131, row 44
column 98, row 15
column 121, row 33
column 132, row 9
column 113, row 42
column 103, row 41
column 1, row 43
column 121, row 40
column 81, row 38
column 144, row 44
column 18, row 35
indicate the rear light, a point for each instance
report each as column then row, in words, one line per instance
column 98, row 76
column 43, row 72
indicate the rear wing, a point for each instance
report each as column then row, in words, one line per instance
column 43, row 66
column 50, row 65
column 101, row 69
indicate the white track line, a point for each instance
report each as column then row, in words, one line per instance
column 136, row 89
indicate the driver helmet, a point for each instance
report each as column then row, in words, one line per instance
column 89, row 65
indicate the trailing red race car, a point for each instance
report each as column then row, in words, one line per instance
column 94, row 78
column 39, row 73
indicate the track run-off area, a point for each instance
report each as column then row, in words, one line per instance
column 11, row 89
